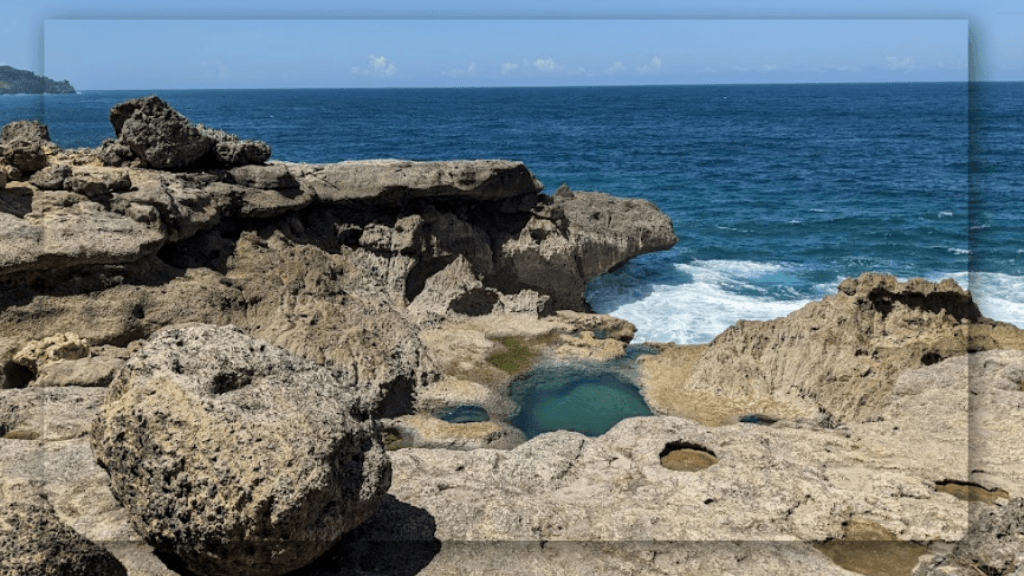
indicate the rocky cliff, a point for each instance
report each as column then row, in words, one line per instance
column 14, row 81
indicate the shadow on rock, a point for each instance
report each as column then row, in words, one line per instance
column 398, row 540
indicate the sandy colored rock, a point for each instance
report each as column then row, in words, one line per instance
column 268, row 456
column 157, row 134
column 833, row 360
column 39, row 353
column 86, row 372
column 49, row 414
column 395, row 181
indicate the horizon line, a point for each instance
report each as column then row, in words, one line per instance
column 556, row 86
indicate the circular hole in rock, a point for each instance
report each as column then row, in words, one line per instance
column 584, row 397
column 462, row 414
column 687, row 457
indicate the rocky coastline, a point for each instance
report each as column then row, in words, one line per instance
column 214, row 363
column 15, row 81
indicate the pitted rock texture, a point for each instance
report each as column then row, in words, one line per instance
column 235, row 455
column 25, row 145
column 150, row 130
column 35, row 542
column 834, row 360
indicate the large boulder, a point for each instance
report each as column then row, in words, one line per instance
column 150, row 130
column 159, row 135
column 235, row 455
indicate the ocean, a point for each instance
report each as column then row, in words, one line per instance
column 777, row 192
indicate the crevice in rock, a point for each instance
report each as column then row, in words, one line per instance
column 970, row 491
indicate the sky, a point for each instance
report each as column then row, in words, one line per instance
column 115, row 44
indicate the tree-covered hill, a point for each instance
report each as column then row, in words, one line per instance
column 14, row 81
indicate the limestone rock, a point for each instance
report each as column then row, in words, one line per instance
column 99, row 183
column 229, row 150
column 25, row 130
column 575, row 238
column 81, row 235
column 35, row 542
column 834, row 360
column 87, row 372
column 25, row 144
column 270, row 177
column 235, row 455
column 51, row 177
column 40, row 353
column 392, row 182
column 157, row 134
column 49, row 414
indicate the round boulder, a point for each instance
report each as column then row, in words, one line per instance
column 234, row 454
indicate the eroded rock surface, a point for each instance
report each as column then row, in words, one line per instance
column 35, row 542
column 235, row 455
column 833, row 361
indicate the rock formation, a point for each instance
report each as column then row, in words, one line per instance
column 833, row 361
column 236, row 456
column 366, row 296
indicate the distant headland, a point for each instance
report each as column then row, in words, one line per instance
column 14, row 81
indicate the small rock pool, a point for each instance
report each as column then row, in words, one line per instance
column 585, row 397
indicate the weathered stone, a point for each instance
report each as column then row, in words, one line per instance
column 575, row 238
column 51, row 177
column 49, row 414
column 235, row 455
column 27, row 156
column 834, row 360
column 35, row 542
column 25, row 130
column 59, row 347
column 88, row 372
column 229, row 150
column 81, row 235
column 99, row 183
column 392, row 182
column 157, row 134
column 271, row 177
column 114, row 153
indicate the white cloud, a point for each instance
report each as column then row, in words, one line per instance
column 508, row 67
column 616, row 67
column 654, row 64
column 378, row 66
column 545, row 64
column 899, row 62
column 461, row 73
column 769, row 67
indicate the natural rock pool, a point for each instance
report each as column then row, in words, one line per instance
column 585, row 397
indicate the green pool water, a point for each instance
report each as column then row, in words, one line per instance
column 585, row 397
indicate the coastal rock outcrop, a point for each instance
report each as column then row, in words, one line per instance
column 833, row 361
column 235, row 455
column 25, row 145
column 163, row 139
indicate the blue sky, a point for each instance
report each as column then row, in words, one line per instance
column 114, row 44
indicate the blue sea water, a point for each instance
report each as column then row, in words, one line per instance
column 777, row 192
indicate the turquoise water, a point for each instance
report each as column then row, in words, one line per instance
column 585, row 397
column 462, row 414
